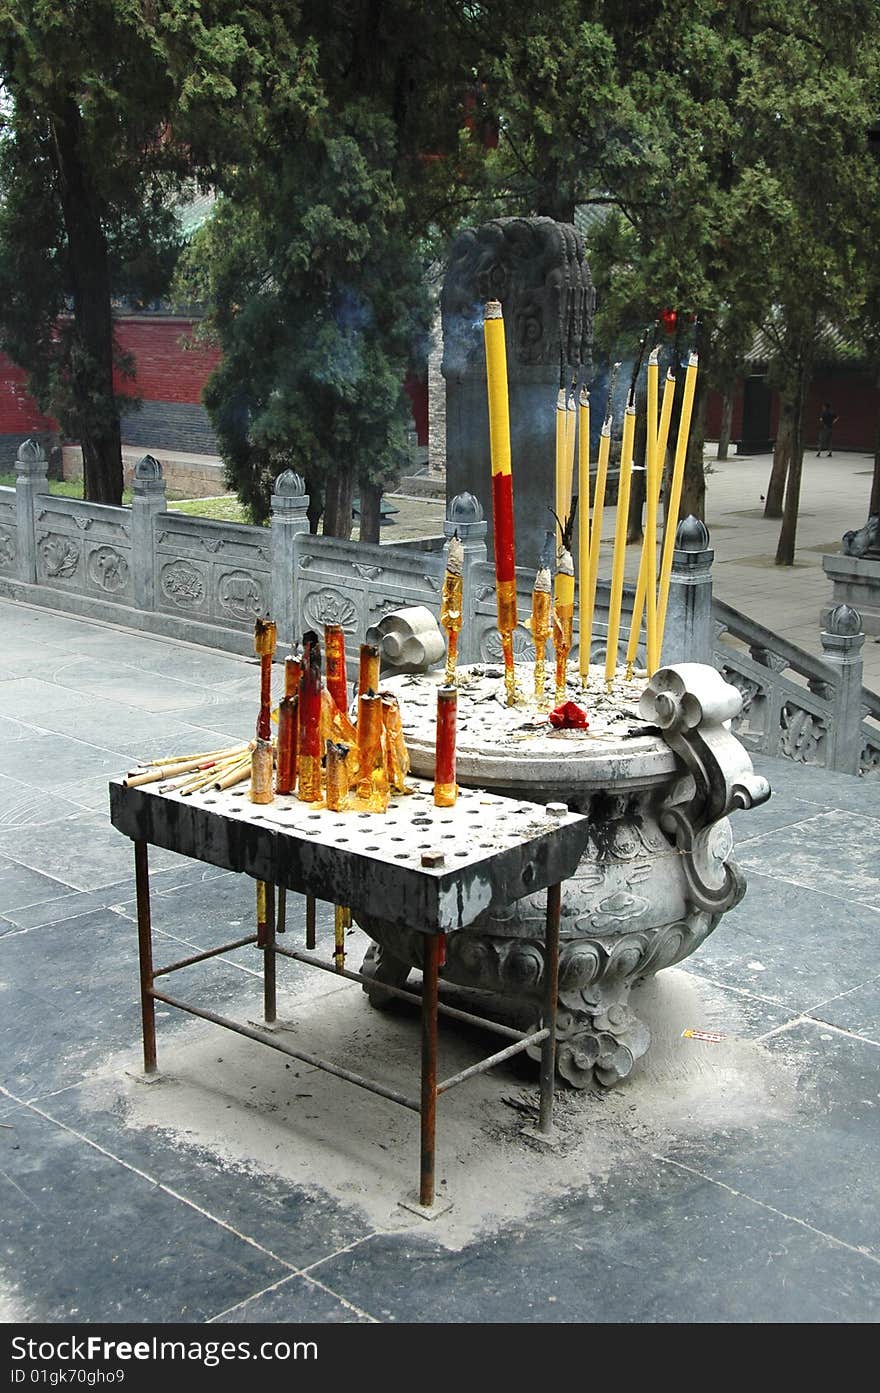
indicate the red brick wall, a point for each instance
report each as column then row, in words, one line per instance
column 19, row 413
column 169, row 366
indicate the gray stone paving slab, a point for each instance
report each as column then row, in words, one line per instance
column 49, row 760
column 858, row 1011
column 91, row 853
column 818, row 1166
column 63, row 910
column 294, row 1301
column 780, row 811
column 71, row 998
column 791, row 945
column 801, row 854
column 301, row 1225
column 131, row 1251
column 826, row 788
column 22, row 805
column 655, row 1244
column 19, row 885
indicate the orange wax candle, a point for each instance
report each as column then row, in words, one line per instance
column 450, row 603
column 337, row 776
column 502, row 487
column 445, row 787
column 396, row 753
column 372, row 778
column 542, row 615
column 288, row 727
column 264, row 647
column 309, row 758
column 261, row 772
column 334, row 658
column 368, row 673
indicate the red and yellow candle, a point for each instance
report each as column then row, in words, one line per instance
column 502, row 487
column 288, row 727
column 445, row 787
column 334, row 659
column 309, row 755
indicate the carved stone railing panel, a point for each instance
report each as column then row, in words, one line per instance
column 356, row 584
column 794, row 705
column 8, row 531
column 219, row 573
column 84, row 547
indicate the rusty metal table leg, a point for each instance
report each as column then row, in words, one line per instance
column 548, row 1048
column 430, row 993
column 266, row 941
column 145, row 955
column 310, row 921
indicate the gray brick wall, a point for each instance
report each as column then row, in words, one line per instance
column 170, row 426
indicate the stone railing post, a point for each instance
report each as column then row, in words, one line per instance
column 464, row 515
column 147, row 502
column 289, row 518
column 689, row 634
column 842, row 644
column 31, row 479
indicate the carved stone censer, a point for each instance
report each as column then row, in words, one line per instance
column 657, row 772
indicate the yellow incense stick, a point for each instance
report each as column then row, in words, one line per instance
column 571, row 416
column 638, row 607
column 596, row 536
column 583, row 525
column 684, row 425
column 619, row 557
column 651, row 496
column 561, row 421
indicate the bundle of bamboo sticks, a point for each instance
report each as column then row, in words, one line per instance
column 191, row 773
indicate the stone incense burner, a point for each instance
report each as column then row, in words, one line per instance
column 657, row 772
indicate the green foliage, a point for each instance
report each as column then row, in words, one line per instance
column 313, row 267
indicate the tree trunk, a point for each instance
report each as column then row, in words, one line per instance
column 726, row 423
column 316, row 503
column 693, row 494
column 782, row 452
column 638, row 486
column 371, row 499
column 337, row 504
column 95, row 416
column 788, row 532
column 874, row 505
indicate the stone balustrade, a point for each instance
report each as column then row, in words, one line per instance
column 203, row 581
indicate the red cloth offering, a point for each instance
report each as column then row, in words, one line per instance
column 569, row 716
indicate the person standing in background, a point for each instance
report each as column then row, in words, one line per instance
column 827, row 417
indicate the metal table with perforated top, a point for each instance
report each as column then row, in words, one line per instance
column 433, row 869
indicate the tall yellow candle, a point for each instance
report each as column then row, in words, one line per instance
column 570, row 438
column 651, row 497
column 619, row 556
column 587, row 610
column 561, row 421
column 665, row 418
column 684, row 426
column 502, row 487
column 583, row 526
column 639, row 605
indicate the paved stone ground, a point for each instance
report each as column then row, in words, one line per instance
column 734, row 1182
